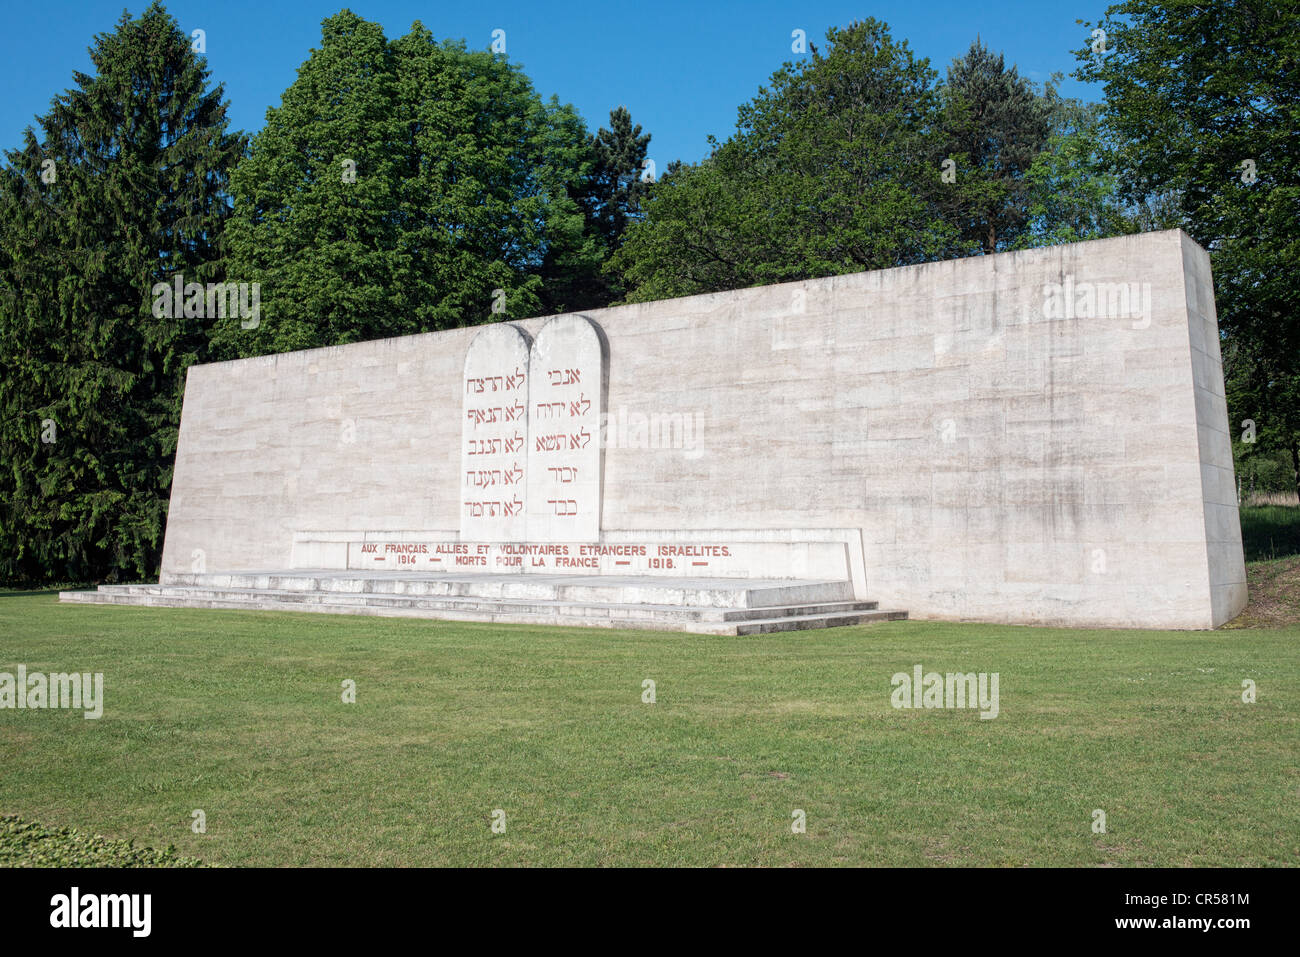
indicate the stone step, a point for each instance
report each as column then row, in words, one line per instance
column 700, row 619
column 705, row 592
column 763, row 626
column 575, row 609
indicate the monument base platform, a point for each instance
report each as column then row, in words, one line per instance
column 717, row 606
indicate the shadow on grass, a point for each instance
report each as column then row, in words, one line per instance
column 1270, row 532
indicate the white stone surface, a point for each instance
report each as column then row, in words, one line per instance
column 1001, row 457
column 564, row 463
column 711, row 606
column 494, row 438
column 832, row 554
column 1222, row 522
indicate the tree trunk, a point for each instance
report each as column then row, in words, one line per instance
column 1295, row 465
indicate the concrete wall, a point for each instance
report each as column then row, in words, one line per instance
column 1218, row 484
column 1008, row 455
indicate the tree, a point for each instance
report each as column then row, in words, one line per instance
column 1070, row 195
column 834, row 167
column 1267, row 448
column 1201, row 112
column 996, row 125
column 610, row 196
column 124, row 188
column 314, row 201
column 618, row 183
column 403, row 187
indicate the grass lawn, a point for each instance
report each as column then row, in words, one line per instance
column 239, row 714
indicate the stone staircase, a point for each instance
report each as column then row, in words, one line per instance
column 716, row 606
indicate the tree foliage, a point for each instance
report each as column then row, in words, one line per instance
column 1071, row 194
column 833, row 168
column 397, row 187
column 617, row 186
column 124, row 187
column 996, row 125
column 611, row 198
column 1201, row 114
column 860, row 158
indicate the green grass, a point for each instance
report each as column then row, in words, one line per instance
column 1270, row 532
column 239, row 714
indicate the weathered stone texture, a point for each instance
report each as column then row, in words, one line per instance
column 1006, row 458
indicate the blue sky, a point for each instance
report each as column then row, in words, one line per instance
column 682, row 68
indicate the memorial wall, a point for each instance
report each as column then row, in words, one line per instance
column 1032, row 437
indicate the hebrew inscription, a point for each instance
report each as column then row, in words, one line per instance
column 494, row 446
column 530, row 454
column 564, row 467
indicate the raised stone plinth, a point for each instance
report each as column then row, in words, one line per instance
column 716, row 606
column 826, row 553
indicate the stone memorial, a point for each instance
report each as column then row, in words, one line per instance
column 1038, row 437
column 494, row 449
column 564, row 465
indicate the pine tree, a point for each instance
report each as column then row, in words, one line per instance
column 618, row 183
column 995, row 125
column 124, row 188
column 608, row 190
